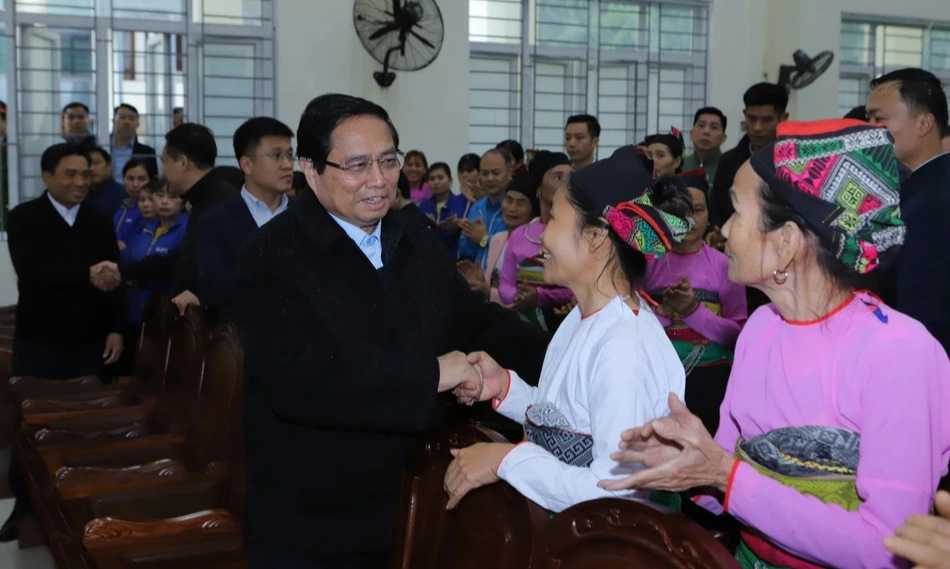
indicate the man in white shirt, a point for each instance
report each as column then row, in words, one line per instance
column 265, row 153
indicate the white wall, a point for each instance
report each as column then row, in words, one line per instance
column 429, row 107
column 750, row 39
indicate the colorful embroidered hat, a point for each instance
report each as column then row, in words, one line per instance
column 647, row 229
column 841, row 176
column 620, row 187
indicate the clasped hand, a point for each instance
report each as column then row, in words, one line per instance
column 105, row 276
column 475, row 377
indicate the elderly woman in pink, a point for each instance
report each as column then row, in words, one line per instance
column 832, row 430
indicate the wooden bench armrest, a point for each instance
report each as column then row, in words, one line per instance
column 46, row 437
column 112, row 533
column 52, row 405
column 145, row 407
column 96, row 423
column 145, row 504
column 72, row 482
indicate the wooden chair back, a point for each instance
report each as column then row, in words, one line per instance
column 492, row 527
column 613, row 533
column 151, row 357
column 208, row 435
column 178, row 401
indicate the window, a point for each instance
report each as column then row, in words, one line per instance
column 213, row 58
column 638, row 65
column 870, row 48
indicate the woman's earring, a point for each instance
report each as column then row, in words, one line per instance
column 779, row 277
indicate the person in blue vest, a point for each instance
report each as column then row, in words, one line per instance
column 161, row 235
column 445, row 208
column 264, row 150
column 127, row 220
column 484, row 219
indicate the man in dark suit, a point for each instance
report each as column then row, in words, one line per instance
column 912, row 104
column 765, row 105
column 188, row 160
column 265, row 152
column 64, row 327
column 125, row 146
column 344, row 306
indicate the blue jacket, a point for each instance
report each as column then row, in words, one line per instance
column 455, row 205
column 491, row 216
column 127, row 222
column 222, row 231
column 108, row 197
column 143, row 244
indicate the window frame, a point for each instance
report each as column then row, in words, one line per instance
column 640, row 117
column 190, row 28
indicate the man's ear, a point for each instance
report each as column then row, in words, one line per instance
column 309, row 172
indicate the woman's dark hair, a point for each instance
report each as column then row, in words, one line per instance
column 156, row 185
column 671, row 194
column 136, row 163
column 469, row 162
column 403, row 186
column 441, row 166
column 776, row 212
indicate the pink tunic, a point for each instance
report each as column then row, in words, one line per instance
column 722, row 310
column 420, row 194
column 525, row 242
column 866, row 368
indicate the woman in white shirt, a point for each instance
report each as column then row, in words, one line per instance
column 610, row 363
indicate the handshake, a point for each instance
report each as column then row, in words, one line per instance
column 105, row 276
column 473, row 377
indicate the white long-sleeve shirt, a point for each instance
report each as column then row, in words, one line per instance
column 602, row 374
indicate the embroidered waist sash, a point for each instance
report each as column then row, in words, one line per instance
column 817, row 461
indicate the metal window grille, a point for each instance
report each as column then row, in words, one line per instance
column 639, row 66
column 871, row 47
column 213, row 58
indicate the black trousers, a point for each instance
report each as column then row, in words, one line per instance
column 57, row 362
column 705, row 390
column 258, row 558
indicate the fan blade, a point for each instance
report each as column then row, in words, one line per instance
column 390, row 27
column 397, row 6
column 422, row 39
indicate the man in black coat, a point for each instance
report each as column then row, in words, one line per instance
column 64, row 326
column 264, row 148
column 765, row 105
column 188, row 160
column 352, row 317
column 912, row 104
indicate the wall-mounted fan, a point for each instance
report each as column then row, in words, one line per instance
column 805, row 70
column 405, row 35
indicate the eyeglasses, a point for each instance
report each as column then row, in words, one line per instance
column 361, row 169
column 277, row 156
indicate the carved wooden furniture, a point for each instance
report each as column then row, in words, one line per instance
column 492, row 527
column 613, row 533
column 188, row 525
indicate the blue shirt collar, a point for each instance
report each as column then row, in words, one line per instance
column 369, row 243
column 259, row 210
